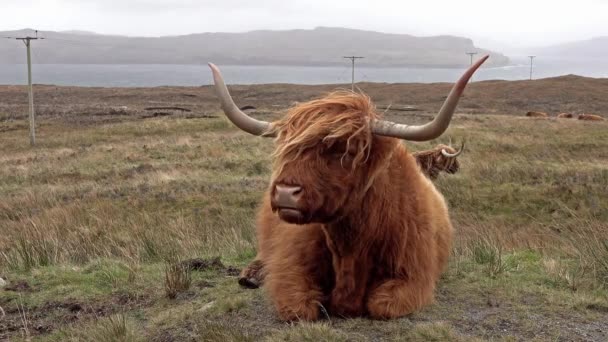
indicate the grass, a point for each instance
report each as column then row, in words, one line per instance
column 93, row 219
column 177, row 279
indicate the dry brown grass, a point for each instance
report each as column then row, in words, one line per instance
column 178, row 279
column 529, row 205
column 147, row 190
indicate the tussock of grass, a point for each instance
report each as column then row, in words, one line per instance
column 221, row 332
column 590, row 244
column 431, row 332
column 309, row 332
column 178, row 279
column 115, row 328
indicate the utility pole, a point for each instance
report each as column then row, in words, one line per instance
column 27, row 41
column 352, row 58
column 531, row 59
column 471, row 54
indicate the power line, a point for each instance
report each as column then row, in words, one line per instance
column 341, row 78
column 352, row 58
column 27, row 41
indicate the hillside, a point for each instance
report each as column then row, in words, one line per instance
column 591, row 49
column 320, row 46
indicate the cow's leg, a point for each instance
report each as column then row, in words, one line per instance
column 398, row 297
column 299, row 273
column 253, row 275
column 347, row 297
column 395, row 297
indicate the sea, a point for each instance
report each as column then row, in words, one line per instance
column 151, row 75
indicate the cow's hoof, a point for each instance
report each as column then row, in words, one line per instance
column 249, row 283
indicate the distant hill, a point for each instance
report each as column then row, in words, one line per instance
column 322, row 46
column 595, row 48
column 80, row 33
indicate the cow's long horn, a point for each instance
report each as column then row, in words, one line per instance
column 240, row 119
column 441, row 122
column 452, row 155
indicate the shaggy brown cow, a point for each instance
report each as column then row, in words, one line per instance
column 565, row 116
column 431, row 162
column 590, row 117
column 537, row 114
column 441, row 158
column 349, row 222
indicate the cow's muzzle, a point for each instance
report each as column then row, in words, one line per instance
column 286, row 202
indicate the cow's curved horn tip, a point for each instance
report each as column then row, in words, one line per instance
column 212, row 66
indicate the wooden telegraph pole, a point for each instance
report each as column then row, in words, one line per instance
column 27, row 41
column 471, row 54
column 531, row 62
column 352, row 58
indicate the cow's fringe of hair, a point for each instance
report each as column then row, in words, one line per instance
column 340, row 115
column 384, row 164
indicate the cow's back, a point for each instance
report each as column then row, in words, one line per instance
column 421, row 213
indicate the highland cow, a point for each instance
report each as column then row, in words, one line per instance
column 565, row 116
column 431, row 162
column 349, row 222
column 590, row 117
column 537, row 114
column 441, row 158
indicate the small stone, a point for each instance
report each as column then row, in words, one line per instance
column 207, row 306
column 2, row 283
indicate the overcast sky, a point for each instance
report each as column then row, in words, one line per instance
column 491, row 24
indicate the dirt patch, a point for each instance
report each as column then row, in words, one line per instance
column 216, row 264
column 155, row 115
column 19, row 286
column 53, row 315
column 598, row 307
column 168, row 108
column 137, row 170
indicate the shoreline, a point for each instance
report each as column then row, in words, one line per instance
column 337, row 84
column 564, row 94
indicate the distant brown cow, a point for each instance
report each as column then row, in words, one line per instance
column 441, row 158
column 590, row 117
column 565, row 115
column 537, row 114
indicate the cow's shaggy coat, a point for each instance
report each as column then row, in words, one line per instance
column 537, row 114
column 590, row 117
column 374, row 234
column 431, row 162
